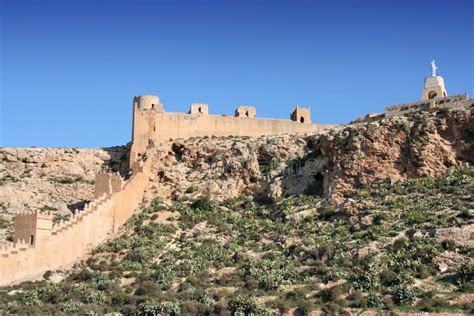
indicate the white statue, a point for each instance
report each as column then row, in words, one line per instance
column 433, row 68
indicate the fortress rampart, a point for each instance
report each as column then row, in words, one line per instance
column 151, row 124
column 40, row 246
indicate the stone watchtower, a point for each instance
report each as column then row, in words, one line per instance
column 199, row 108
column 144, row 107
column 245, row 111
column 31, row 227
column 301, row 115
column 434, row 85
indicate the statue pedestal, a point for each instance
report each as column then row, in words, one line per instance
column 434, row 88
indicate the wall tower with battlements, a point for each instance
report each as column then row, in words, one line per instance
column 153, row 125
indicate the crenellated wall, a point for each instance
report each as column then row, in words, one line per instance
column 151, row 124
column 39, row 246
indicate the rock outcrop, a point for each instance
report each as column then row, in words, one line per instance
column 332, row 163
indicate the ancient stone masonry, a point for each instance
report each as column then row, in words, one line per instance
column 40, row 246
column 246, row 111
column 106, row 183
column 151, row 124
column 449, row 102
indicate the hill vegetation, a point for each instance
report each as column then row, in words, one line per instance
column 394, row 245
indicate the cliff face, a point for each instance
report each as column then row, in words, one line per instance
column 332, row 163
column 401, row 147
column 330, row 235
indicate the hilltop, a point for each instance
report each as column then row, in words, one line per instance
column 376, row 214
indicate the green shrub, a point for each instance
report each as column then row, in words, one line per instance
column 374, row 300
column 165, row 274
column 402, row 295
column 269, row 273
column 242, row 304
column 154, row 308
column 412, row 255
column 367, row 274
column 4, row 223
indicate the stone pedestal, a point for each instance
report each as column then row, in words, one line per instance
column 434, row 88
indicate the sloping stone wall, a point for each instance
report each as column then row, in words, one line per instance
column 65, row 243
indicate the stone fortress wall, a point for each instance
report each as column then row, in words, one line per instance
column 40, row 246
column 151, row 124
column 448, row 102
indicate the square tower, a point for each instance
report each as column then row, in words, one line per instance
column 199, row 108
column 245, row 111
column 301, row 115
column 32, row 227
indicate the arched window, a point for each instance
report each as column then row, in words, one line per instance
column 247, row 113
column 200, row 110
column 301, row 119
column 153, row 106
column 432, row 95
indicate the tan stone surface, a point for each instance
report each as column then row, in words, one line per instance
column 52, row 179
column 22, row 260
column 151, row 127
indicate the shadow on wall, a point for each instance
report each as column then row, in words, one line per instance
column 119, row 160
column 78, row 205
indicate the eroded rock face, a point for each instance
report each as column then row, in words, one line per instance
column 332, row 163
column 422, row 145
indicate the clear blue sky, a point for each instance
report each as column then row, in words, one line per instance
column 69, row 69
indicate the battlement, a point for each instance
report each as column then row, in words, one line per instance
column 301, row 115
column 77, row 216
column 199, row 108
column 147, row 102
column 13, row 248
column 37, row 241
column 31, row 226
column 106, row 183
column 246, row 111
column 153, row 127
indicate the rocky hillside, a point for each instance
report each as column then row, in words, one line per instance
column 332, row 164
column 395, row 245
column 57, row 180
column 374, row 215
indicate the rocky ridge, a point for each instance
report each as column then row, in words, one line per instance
column 370, row 215
column 333, row 163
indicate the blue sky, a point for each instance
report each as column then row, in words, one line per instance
column 69, row 69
